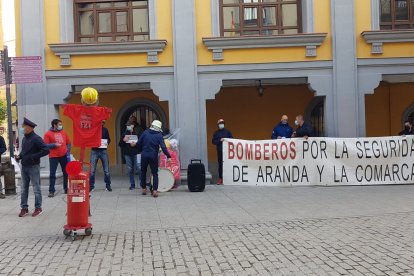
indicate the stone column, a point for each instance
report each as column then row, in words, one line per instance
column 345, row 85
column 185, row 79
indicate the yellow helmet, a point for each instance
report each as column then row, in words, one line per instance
column 89, row 95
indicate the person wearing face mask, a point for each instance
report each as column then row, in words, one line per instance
column 58, row 142
column 304, row 129
column 282, row 130
column 101, row 153
column 128, row 144
column 217, row 140
column 408, row 129
column 33, row 148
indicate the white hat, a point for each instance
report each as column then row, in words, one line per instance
column 156, row 125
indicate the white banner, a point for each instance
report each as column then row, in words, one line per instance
column 319, row 161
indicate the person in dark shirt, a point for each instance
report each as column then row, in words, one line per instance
column 149, row 143
column 217, row 140
column 408, row 129
column 33, row 148
column 130, row 151
column 304, row 129
column 101, row 153
column 282, row 130
column 3, row 149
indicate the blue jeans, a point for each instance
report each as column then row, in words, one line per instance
column 54, row 162
column 132, row 164
column 31, row 174
column 153, row 163
column 101, row 154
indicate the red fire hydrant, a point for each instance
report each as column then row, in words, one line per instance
column 78, row 199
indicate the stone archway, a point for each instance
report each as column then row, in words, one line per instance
column 145, row 110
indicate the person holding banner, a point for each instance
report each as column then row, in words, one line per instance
column 217, row 140
column 408, row 129
column 128, row 144
column 101, row 153
column 282, row 130
column 304, row 129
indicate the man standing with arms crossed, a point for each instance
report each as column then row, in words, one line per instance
column 33, row 148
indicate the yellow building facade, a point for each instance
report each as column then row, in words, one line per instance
column 346, row 65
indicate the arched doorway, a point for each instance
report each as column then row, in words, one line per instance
column 316, row 116
column 408, row 115
column 145, row 111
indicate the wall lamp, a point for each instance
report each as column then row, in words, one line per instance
column 260, row 89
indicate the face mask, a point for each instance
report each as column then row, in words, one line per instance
column 129, row 128
column 284, row 122
column 221, row 126
column 21, row 130
column 407, row 128
column 59, row 127
column 296, row 123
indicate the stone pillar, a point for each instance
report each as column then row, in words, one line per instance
column 186, row 79
column 32, row 99
column 345, row 85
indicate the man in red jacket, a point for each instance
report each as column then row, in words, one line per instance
column 59, row 144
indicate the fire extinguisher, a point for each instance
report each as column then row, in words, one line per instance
column 78, row 199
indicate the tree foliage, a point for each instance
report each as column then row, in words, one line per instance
column 3, row 110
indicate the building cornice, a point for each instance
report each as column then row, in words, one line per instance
column 378, row 38
column 66, row 50
column 309, row 40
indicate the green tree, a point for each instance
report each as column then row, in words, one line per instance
column 3, row 111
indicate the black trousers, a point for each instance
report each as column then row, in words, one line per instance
column 153, row 163
column 220, row 163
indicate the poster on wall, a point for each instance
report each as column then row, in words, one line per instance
column 319, row 161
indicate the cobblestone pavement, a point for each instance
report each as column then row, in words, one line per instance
column 374, row 238
column 380, row 245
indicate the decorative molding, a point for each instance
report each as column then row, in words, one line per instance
column 308, row 16
column 310, row 41
column 66, row 50
column 378, row 38
column 215, row 18
column 375, row 15
column 67, row 33
column 152, row 14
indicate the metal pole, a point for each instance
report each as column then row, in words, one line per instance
column 9, row 174
column 7, row 74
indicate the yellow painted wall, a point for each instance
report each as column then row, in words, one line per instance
column 115, row 101
column 251, row 117
column 52, row 35
column 264, row 55
column 363, row 23
column 385, row 108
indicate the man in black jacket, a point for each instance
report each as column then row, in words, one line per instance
column 128, row 144
column 408, row 129
column 3, row 149
column 101, row 153
column 217, row 140
column 33, row 148
column 304, row 129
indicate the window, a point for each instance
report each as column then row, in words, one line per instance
column 396, row 14
column 260, row 17
column 106, row 21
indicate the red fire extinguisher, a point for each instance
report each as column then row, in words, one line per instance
column 78, row 199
